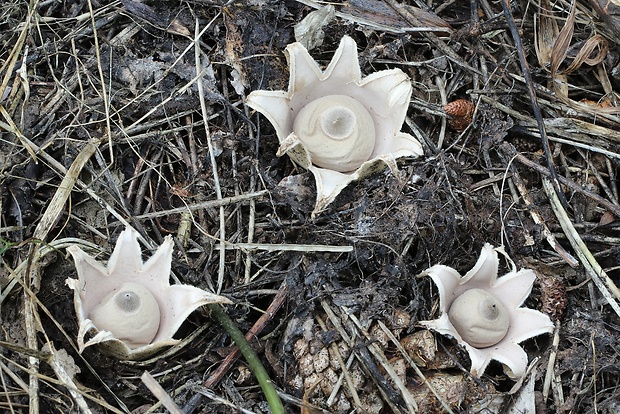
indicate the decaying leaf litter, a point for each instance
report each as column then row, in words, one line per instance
column 112, row 114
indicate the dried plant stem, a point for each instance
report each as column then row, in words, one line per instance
column 62, row 171
column 344, row 367
column 430, row 36
column 104, row 92
column 218, row 189
column 56, row 205
column 569, row 183
column 275, row 403
column 252, row 215
column 510, row 152
column 11, row 127
column 258, row 326
column 212, row 396
column 413, row 365
column 550, row 366
column 593, row 269
column 377, row 353
column 10, row 63
column 206, row 204
column 290, row 247
column 31, row 275
column 140, row 124
column 32, row 343
column 412, row 406
column 67, row 380
column 533, row 100
column 162, row 396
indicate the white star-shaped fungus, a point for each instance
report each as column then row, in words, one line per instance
column 482, row 312
column 130, row 305
column 338, row 125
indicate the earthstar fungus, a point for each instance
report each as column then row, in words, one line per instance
column 338, row 125
column 130, row 305
column 482, row 312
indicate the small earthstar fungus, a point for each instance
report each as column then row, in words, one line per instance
column 482, row 312
column 130, row 305
column 338, row 125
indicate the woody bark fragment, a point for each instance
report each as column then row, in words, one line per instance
column 609, row 12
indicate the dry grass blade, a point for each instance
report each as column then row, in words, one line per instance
column 606, row 286
column 410, row 403
column 290, row 247
column 596, row 44
column 516, row 179
column 162, row 396
column 206, row 204
column 214, row 168
column 383, row 21
column 60, row 365
column 547, row 44
column 571, row 184
column 433, row 38
column 32, row 272
column 533, row 98
column 562, row 43
column 57, row 204
column 104, row 92
column 14, row 54
column 550, row 373
column 413, row 365
column 257, row 328
column 546, row 33
column 11, row 127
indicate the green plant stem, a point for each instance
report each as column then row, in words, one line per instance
column 250, row 356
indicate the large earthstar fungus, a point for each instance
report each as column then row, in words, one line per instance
column 338, row 125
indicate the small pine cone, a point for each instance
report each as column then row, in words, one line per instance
column 400, row 321
column 553, row 296
column 318, row 370
column 420, row 346
column 461, row 113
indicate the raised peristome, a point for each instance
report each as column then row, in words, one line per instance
column 130, row 312
column 479, row 317
column 338, row 132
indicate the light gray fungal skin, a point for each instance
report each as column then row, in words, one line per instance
column 479, row 317
column 128, row 307
column 322, row 131
column 484, row 312
column 338, row 132
column 131, row 313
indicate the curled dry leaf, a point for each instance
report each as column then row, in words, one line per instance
column 554, row 49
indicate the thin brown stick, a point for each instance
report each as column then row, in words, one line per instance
column 259, row 325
